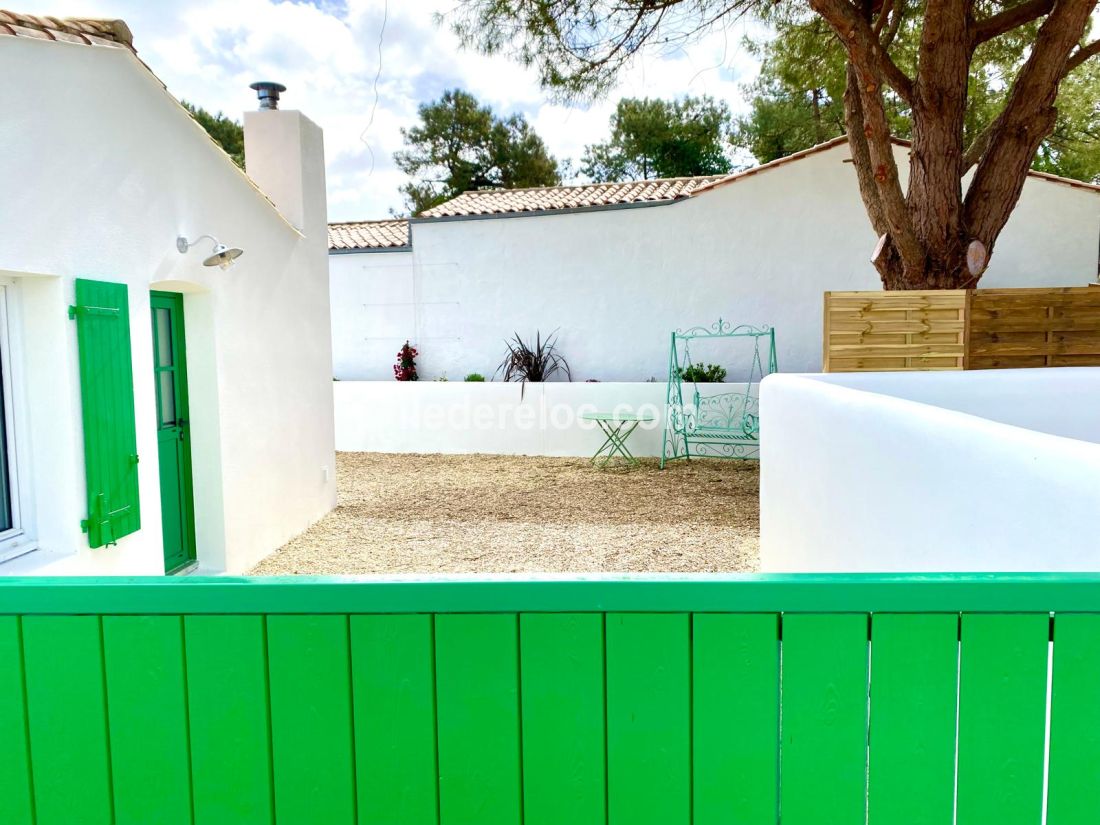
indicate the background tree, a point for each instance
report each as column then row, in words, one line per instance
column 662, row 139
column 797, row 101
column 227, row 132
column 932, row 234
column 460, row 145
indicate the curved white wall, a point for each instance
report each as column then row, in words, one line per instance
column 761, row 250
column 959, row 471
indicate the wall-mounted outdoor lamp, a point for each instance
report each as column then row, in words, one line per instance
column 222, row 255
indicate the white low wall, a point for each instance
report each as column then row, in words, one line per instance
column 490, row 417
column 955, row 471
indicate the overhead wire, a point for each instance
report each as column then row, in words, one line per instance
column 377, row 77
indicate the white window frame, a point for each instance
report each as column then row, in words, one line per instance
column 19, row 539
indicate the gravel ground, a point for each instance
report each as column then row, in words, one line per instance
column 506, row 514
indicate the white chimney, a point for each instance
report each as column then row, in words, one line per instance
column 285, row 155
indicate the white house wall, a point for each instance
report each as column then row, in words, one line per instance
column 760, row 250
column 102, row 171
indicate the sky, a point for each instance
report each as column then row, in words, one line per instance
column 328, row 53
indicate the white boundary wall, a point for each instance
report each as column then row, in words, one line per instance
column 760, row 250
column 490, row 417
column 936, row 471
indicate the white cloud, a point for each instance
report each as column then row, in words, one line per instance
column 326, row 53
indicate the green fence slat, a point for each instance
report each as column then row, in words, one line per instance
column 735, row 719
column 824, row 719
column 67, row 711
column 649, row 719
column 16, row 807
column 312, row 747
column 147, row 695
column 477, row 696
column 230, row 738
column 564, row 757
column 393, row 684
column 914, row 684
column 1002, row 718
column 1074, row 783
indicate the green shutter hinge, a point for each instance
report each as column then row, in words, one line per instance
column 78, row 310
column 84, row 525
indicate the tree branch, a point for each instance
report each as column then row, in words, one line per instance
column 1027, row 118
column 981, row 142
column 883, row 16
column 862, row 44
column 886, row 39
column 1009, row 19
column 1081, row 55
column 861, row 155
column 977, row 148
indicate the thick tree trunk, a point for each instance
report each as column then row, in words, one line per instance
column 925, row 233
column 939, row 110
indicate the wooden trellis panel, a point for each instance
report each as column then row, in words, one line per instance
column 895, row 331
column 1034, row 328
column 961, row 329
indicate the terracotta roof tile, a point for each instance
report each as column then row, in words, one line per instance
column 89, row 31
column 391, row 234
column 369, row 235
column 541, row 199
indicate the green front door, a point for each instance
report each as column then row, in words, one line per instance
column 173, row 430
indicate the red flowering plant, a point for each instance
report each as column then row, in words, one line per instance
column 405, row 368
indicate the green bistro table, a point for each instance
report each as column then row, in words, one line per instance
column 617, row 427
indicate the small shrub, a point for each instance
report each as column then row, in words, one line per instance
column 700, row 374
column 405, row 368
column 443, row 377
column 524, row 363
column 474, row 376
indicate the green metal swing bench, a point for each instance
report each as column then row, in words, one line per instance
column 715, row 425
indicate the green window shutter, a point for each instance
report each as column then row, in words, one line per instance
column 102, row 314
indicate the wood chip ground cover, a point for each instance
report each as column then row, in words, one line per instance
column 517, row 514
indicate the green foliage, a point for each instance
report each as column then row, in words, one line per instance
column 703, row 374
column 797, row 101
column 225, row 131
column 653, row 138
column 578, row 48
column 460, row 145
column 474, row 377
column 1073, row 149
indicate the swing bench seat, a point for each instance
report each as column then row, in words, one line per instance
column 715, row 424
column 728, row 416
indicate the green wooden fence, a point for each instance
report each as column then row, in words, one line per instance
column 809, row 700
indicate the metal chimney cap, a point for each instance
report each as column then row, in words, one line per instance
column 268, row 93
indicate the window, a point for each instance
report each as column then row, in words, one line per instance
column 14, row 537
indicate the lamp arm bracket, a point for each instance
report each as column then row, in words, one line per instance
column 182, row 244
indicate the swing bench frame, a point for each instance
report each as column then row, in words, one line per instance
column 719, row 425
